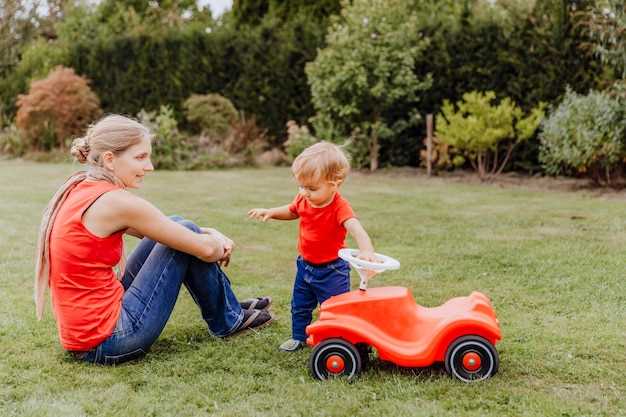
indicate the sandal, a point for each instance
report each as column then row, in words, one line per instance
column 253, row 319
column 258, row 303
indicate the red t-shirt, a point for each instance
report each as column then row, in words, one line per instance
column 86, row 295
column 322, row 233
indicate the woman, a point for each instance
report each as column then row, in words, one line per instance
column 104, row 320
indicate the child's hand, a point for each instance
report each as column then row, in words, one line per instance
column 368, row 256
column 260, row 214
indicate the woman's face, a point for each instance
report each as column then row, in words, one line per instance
column 131, row 165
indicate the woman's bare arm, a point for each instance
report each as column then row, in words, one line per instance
column 121, row 210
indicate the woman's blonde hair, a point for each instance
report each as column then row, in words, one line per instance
column 113, row 133
column 321, row 161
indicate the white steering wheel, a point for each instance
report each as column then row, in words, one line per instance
column 366, row 268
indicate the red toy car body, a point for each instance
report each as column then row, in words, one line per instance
column 462, row 333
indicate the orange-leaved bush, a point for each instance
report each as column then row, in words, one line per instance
column 56, row 108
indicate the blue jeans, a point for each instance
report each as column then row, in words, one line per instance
column 152, row 280
column 313, row 286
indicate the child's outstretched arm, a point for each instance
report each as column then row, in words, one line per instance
column 356, row 230
column 276, row 213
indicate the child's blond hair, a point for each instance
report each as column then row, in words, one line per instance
column 321, row 161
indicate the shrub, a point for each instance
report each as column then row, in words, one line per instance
column 170, row 148
column 11, row 143
column 246, row 138
column 481, row 130
column 212, row 114
column 56, row 108
column 298, row 139
column 586, row 134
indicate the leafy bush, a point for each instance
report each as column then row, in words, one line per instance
column 481, row 130
column 213, row 114
column 586, row 134
column 170, row 148
column 56, row 108
column 298, row 139
column 11, row 143
column 246, row 138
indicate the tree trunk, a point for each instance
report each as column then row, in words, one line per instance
column 374, row 146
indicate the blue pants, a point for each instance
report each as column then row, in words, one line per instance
column 313, row 286
column 152, row 280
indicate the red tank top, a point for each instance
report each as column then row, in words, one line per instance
column 86, row 295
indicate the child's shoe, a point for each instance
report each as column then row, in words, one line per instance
column 291, row 345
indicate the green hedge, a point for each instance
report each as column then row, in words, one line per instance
column 261, row 70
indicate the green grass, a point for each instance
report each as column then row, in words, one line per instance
column 553, row 264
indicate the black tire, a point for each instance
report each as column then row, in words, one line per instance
column 348, row 360
column 364, row 352
column 471, row 359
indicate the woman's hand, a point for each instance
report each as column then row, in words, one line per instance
column 227, row 244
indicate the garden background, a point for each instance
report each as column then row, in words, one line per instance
column 524, row 90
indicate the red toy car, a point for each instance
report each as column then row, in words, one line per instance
column 462, row 333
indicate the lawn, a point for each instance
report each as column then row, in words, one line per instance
column 552, row 262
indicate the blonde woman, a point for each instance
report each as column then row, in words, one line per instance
column 104, row 320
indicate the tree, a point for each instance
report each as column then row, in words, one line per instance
column 607, row 25
column 19, row 24
column 364, row 73
column 252, row 12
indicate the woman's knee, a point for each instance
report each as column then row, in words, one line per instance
column 187, row 223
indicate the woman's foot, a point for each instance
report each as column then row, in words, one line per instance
column 291, row 345
column 253, row 319
column 258, row 303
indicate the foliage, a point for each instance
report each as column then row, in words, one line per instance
column 481, row 129
column 56, row 108
column 521, row 56
column 365, row 72
column 170, row 148
column 606, row 23
column 586, row 134
column 142, row 54
column 213, row 114
column 246, row 137
column 21, row 22
column 174, row 150
column 261, row 70
column 443, row 156
column 298, row 139
column 11, row 142
column 252, row 12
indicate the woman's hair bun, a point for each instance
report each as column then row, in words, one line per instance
column 80, row 149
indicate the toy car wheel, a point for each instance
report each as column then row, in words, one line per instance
column 471, row 358
column 335, row 358
column 364, row 352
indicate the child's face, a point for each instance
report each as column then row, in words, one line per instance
column 318, row 193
